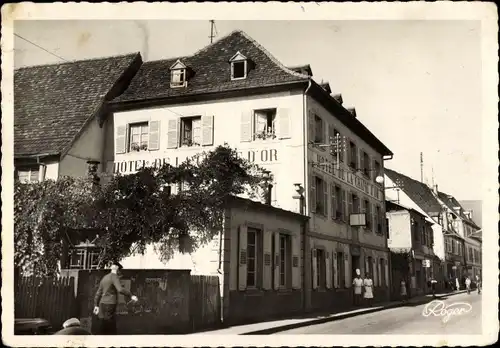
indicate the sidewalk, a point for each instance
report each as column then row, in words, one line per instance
column 270, row 327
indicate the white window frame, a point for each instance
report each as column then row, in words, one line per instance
column 245, row 65
column 182, row 131
column 255, row 257
column 272, row 134
column 181, row 74
column 140, row 146
column 29, row 171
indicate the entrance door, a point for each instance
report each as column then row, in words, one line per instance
column 355, row 264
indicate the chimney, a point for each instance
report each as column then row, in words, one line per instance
column 352, row 111
column 435, row 189
column 338, row 98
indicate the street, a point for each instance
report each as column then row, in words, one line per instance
column 410, row 319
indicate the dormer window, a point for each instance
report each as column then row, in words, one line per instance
column 239, row 66
column 178, row 75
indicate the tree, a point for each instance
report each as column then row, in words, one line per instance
column 133, row 211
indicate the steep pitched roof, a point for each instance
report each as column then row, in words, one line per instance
column 418, row 192
column 476, row 207
column 452, row 203
column 211, row 68
column 52, row 103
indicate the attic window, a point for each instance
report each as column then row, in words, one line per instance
column 178, row 75
column 239, row 66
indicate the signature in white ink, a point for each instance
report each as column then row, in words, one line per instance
column 440, row 309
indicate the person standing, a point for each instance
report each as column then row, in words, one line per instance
column 433, row 287
column 467, row 285
column 368, row 285
column 478, row 283
column 357, row 284
column 106, row 299
column 403, row 291
column 457, row 284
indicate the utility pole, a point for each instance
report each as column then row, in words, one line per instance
column 212, row 25
column 421, row 167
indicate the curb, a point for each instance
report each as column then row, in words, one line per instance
column 276, row 329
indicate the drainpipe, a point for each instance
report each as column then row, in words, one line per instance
column 306, row 263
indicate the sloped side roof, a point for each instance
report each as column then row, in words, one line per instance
column 420, row 193
column 451, row 203
column 212, row 71
column 476, row 207
column 53, row 102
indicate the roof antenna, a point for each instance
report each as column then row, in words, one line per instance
column 421, row 167
column 212, row 27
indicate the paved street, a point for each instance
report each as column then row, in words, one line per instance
column 407, row 320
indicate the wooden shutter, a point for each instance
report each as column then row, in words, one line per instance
column 242, row 258
column 344, row 214
column 121, row 139
column 246, row 126
column 347, row 271
column 173, row 133
column 335, row 271
column 154, row 135
column 375, row 271
column 325, row 198
column 372, row 217
column 314, row 269
column 333, row 202
column 277, row 261
column 386, row 266
column 328, row 270
column 312, row 194
column 379, row 267
column 311, row 131
column 296, row 268
column 350, row 207
column 267, row 272
column 207, row 134
column 284, row 123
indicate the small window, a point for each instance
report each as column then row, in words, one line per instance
column 265, row 124
column 321, row 198
column 178, row 78
column 27, row 175
column 191, row 131
column 139, row 137
column 239, row 70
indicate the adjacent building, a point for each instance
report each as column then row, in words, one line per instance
column 410, row 233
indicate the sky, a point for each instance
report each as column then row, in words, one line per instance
column 415, row 84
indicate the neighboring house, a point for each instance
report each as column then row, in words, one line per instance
column 467, row 229
column 413, row 194
column 473, row 209
column 60, row 122
column 234, row 91
column 411, row 231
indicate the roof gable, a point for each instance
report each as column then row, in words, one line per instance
column 52, row 103
column 237, row 57
column 452, row 203
column 178, row 65
column 212, row 71
column 418, row 192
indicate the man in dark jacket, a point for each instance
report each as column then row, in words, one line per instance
column 72, row 327
column 106, row 299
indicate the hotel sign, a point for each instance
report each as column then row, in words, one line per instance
column 257, row 156
column 346, row 176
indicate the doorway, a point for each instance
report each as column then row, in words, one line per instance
column 355, row 264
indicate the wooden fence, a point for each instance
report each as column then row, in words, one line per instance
column 205, row 302
column 50, row 299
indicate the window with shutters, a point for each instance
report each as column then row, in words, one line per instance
column 138, row 136
column 321, row 196
column 190, row 131
column 264, row 124
column 319, row 133
column 27, row 174
column 376, row 170
column 285, row 259
column 339, row 212
column 340, row 270
column 368, row 214
column 320, row 267
column 254, row 237
column 353, row 155
column 366, row 164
